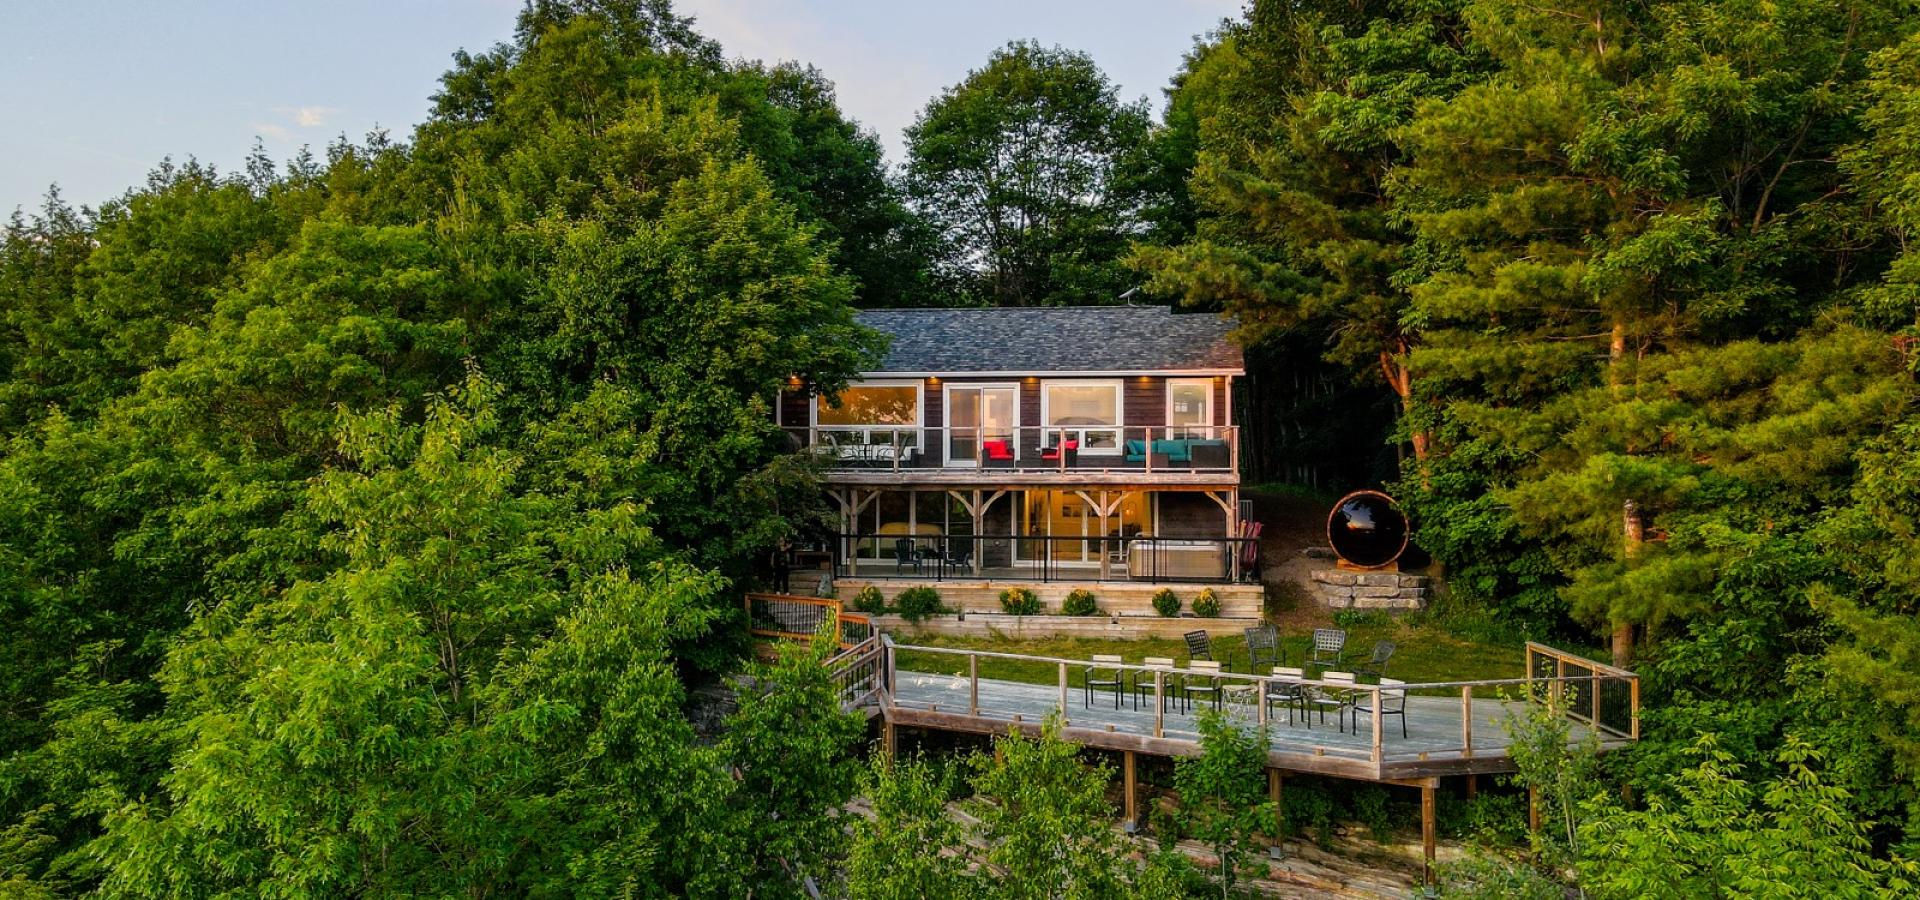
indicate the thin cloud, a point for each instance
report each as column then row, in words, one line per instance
column 276, row 132
column 307, row 116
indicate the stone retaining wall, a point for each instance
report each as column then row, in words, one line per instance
column 1349, row 589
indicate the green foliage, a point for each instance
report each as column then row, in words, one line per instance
column 1080, row 602
column 1019, row 601
column 896, row 853
column 1166, row 603
column 919, row 602
column 1029, row 167
column 1206, row 604
column 1717, row 835
column 870, row 600
column 1360, row 618
column 1370, row 807
column 1223, row 799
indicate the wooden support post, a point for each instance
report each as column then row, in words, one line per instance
column 1159, row 703
column 1466, row 721
column 1130, row 784
column 1533, row 809
column 1473, row 786
column 887, row 740
column 1279, row 814
column 1261, row 691
column 1633, row 701
column 973, row 684
column 1427, row 829
column 1593, row 688
column 1063, row 693
column 1376, row 726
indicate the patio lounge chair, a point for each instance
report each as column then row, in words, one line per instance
column 905, row 553
column 959, row 556
column 1263, row 648
column 1332, row 696
column 1104, row 675
column 1392, row 703
column 1070, row 449
column 1329, row 645
column 1376, row 665
column 998, row 454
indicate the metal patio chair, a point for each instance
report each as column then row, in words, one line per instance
column 1104, row 675
column 1202, row 678
column 1199, row 645
column 1332, row 696
column 905, row 554
column 1263, row 648
column 1392, row 703
column 1329, row 645
column 1143, row 681
column 1287, row 689
column 1376, row 665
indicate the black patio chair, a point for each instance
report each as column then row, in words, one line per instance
column 1263, row 648
column 960, row 555
column 1199, row 645
column 1376, row 665
column 1329, row 645
column 904, row 555
column 1392, row 703
column 1334, row 694
column 1104, row 675
column 1286, row 689
column 1202, row 679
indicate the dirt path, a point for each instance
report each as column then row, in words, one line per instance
column 1292, row 525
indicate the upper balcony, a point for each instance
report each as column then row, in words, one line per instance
column 1054, row 454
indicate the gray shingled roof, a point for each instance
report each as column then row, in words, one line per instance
column 1054, row 339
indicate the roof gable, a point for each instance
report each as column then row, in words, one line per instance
column 1054, row 339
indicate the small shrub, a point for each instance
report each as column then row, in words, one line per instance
column 1206, row 604
column 917, row 603
column 1370, row 807
column 1080, row 603
column 1019, row 601
column 870, row 600
column 1166, row 603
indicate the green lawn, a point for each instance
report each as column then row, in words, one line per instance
column 1424, row 654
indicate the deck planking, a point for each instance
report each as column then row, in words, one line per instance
column 1432, row 746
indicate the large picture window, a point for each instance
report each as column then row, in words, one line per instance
column 871, row 413
column 1088, row 412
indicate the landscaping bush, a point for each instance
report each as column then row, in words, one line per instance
column 917, row 603
column 1166, row 603
column 870, row 600
column 1080, row 603
column 1206, row 605
column 1019, row 602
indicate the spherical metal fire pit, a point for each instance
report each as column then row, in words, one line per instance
column 1367, row 529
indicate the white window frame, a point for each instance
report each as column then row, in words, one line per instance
column 1207, row 428
column 946, row 415
column 1119, row 427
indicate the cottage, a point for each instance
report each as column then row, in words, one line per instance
column 1043, row 445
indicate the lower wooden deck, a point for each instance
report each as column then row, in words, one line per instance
column 1440, row 737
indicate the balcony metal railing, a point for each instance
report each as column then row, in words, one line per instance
column 1047, row 558
column 1211, row 449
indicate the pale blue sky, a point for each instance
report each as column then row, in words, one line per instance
column 94, row 92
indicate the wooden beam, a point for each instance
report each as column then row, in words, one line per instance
column 1427, row 832
column 1130, row 785
column 1533, row 809
column 1274, row 785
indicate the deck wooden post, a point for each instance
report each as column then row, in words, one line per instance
column 1063, row 693
column 1633, row 701
column 1159, row 703
column 1261, row 696
column 1130, row 785
column 1466, row 721
column 1376, row 726
column 887, row 739
column 1533, row 809
column 1273, row 796
column 973, row 684
column 1473, row 786
column 1427, row 830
